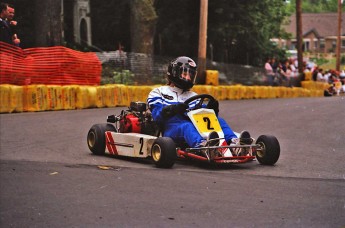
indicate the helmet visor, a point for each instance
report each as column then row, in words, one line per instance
column 187, row 74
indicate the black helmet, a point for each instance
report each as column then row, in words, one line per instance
column 177, row 67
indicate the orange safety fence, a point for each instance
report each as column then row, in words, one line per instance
column 48, row 65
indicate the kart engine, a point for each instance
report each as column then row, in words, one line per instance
column 136, row 120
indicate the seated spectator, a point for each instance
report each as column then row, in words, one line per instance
column 285, row 73
column 314, row 74
column 330, row 91
column 293, row 74
column 342, row 74
column 307, row 69
column 342, row 79
column 320, row 77
column 327, row 76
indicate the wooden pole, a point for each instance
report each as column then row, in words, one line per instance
column 299, row 36
column 202, row 42
column 338, row 38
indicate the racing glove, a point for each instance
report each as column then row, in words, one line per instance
column 213, row 104
column 171, row 110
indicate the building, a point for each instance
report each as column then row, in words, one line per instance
column 77, row 22
column 319, row 30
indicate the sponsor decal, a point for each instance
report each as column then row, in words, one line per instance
column 110, row 143
column 223, row 150
column 166, row 96
column 192, row 64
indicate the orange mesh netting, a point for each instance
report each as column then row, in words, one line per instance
column 48, row 65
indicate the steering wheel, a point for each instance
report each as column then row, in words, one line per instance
column 201, row 97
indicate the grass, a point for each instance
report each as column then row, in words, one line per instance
column 331, row 65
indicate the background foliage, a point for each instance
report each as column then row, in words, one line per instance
column 238, row 31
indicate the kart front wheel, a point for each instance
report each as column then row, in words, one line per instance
column 268, row 151
column 163, row 152
column 96, row 137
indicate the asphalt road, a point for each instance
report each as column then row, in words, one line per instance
column 49, row 178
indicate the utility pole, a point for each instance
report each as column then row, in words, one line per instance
column 202, row 42
column 299, row 35
column 338, row 37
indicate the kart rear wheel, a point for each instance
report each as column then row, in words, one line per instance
column 96, row 137
column 163, row 152
column 269, row 150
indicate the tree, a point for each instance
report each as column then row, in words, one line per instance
column 143, row 22
column 314, row 6
column 177, row 27
column 240, row 31
column 48, row 23
column 110, row 22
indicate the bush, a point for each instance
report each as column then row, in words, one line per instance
column 118, row 77
column 342, row 59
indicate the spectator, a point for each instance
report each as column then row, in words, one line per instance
column 293, row 74
column 285, row 73
column 314, row 74
column 330, row 91
column 5, row 30
column 293, row 68
column 13, row 24
column 342, row 74
column 328, row 76
column 274, row 65
column 342, row 79
column 319, row 76
column 269, row 72
column 6, row 33
column 307, row 70
column 336, row 81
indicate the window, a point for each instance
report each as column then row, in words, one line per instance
column 322, row 44
column 83, row 32
column 306, row 46
column 334, row 44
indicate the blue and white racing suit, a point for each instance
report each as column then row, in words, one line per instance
column 179, row 127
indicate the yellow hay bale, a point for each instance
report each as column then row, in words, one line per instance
column 5, row 91
column 212, row 77
column 35, row 98
column 69, row 97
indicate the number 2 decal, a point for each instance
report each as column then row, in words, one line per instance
column 208, row 121
column 141, row 141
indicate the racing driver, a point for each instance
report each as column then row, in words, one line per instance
column 168, row 109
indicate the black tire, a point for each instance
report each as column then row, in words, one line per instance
column 163, row 152
column 269, row 151
column 96, row 137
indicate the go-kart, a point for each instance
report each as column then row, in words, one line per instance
column 134, row 133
